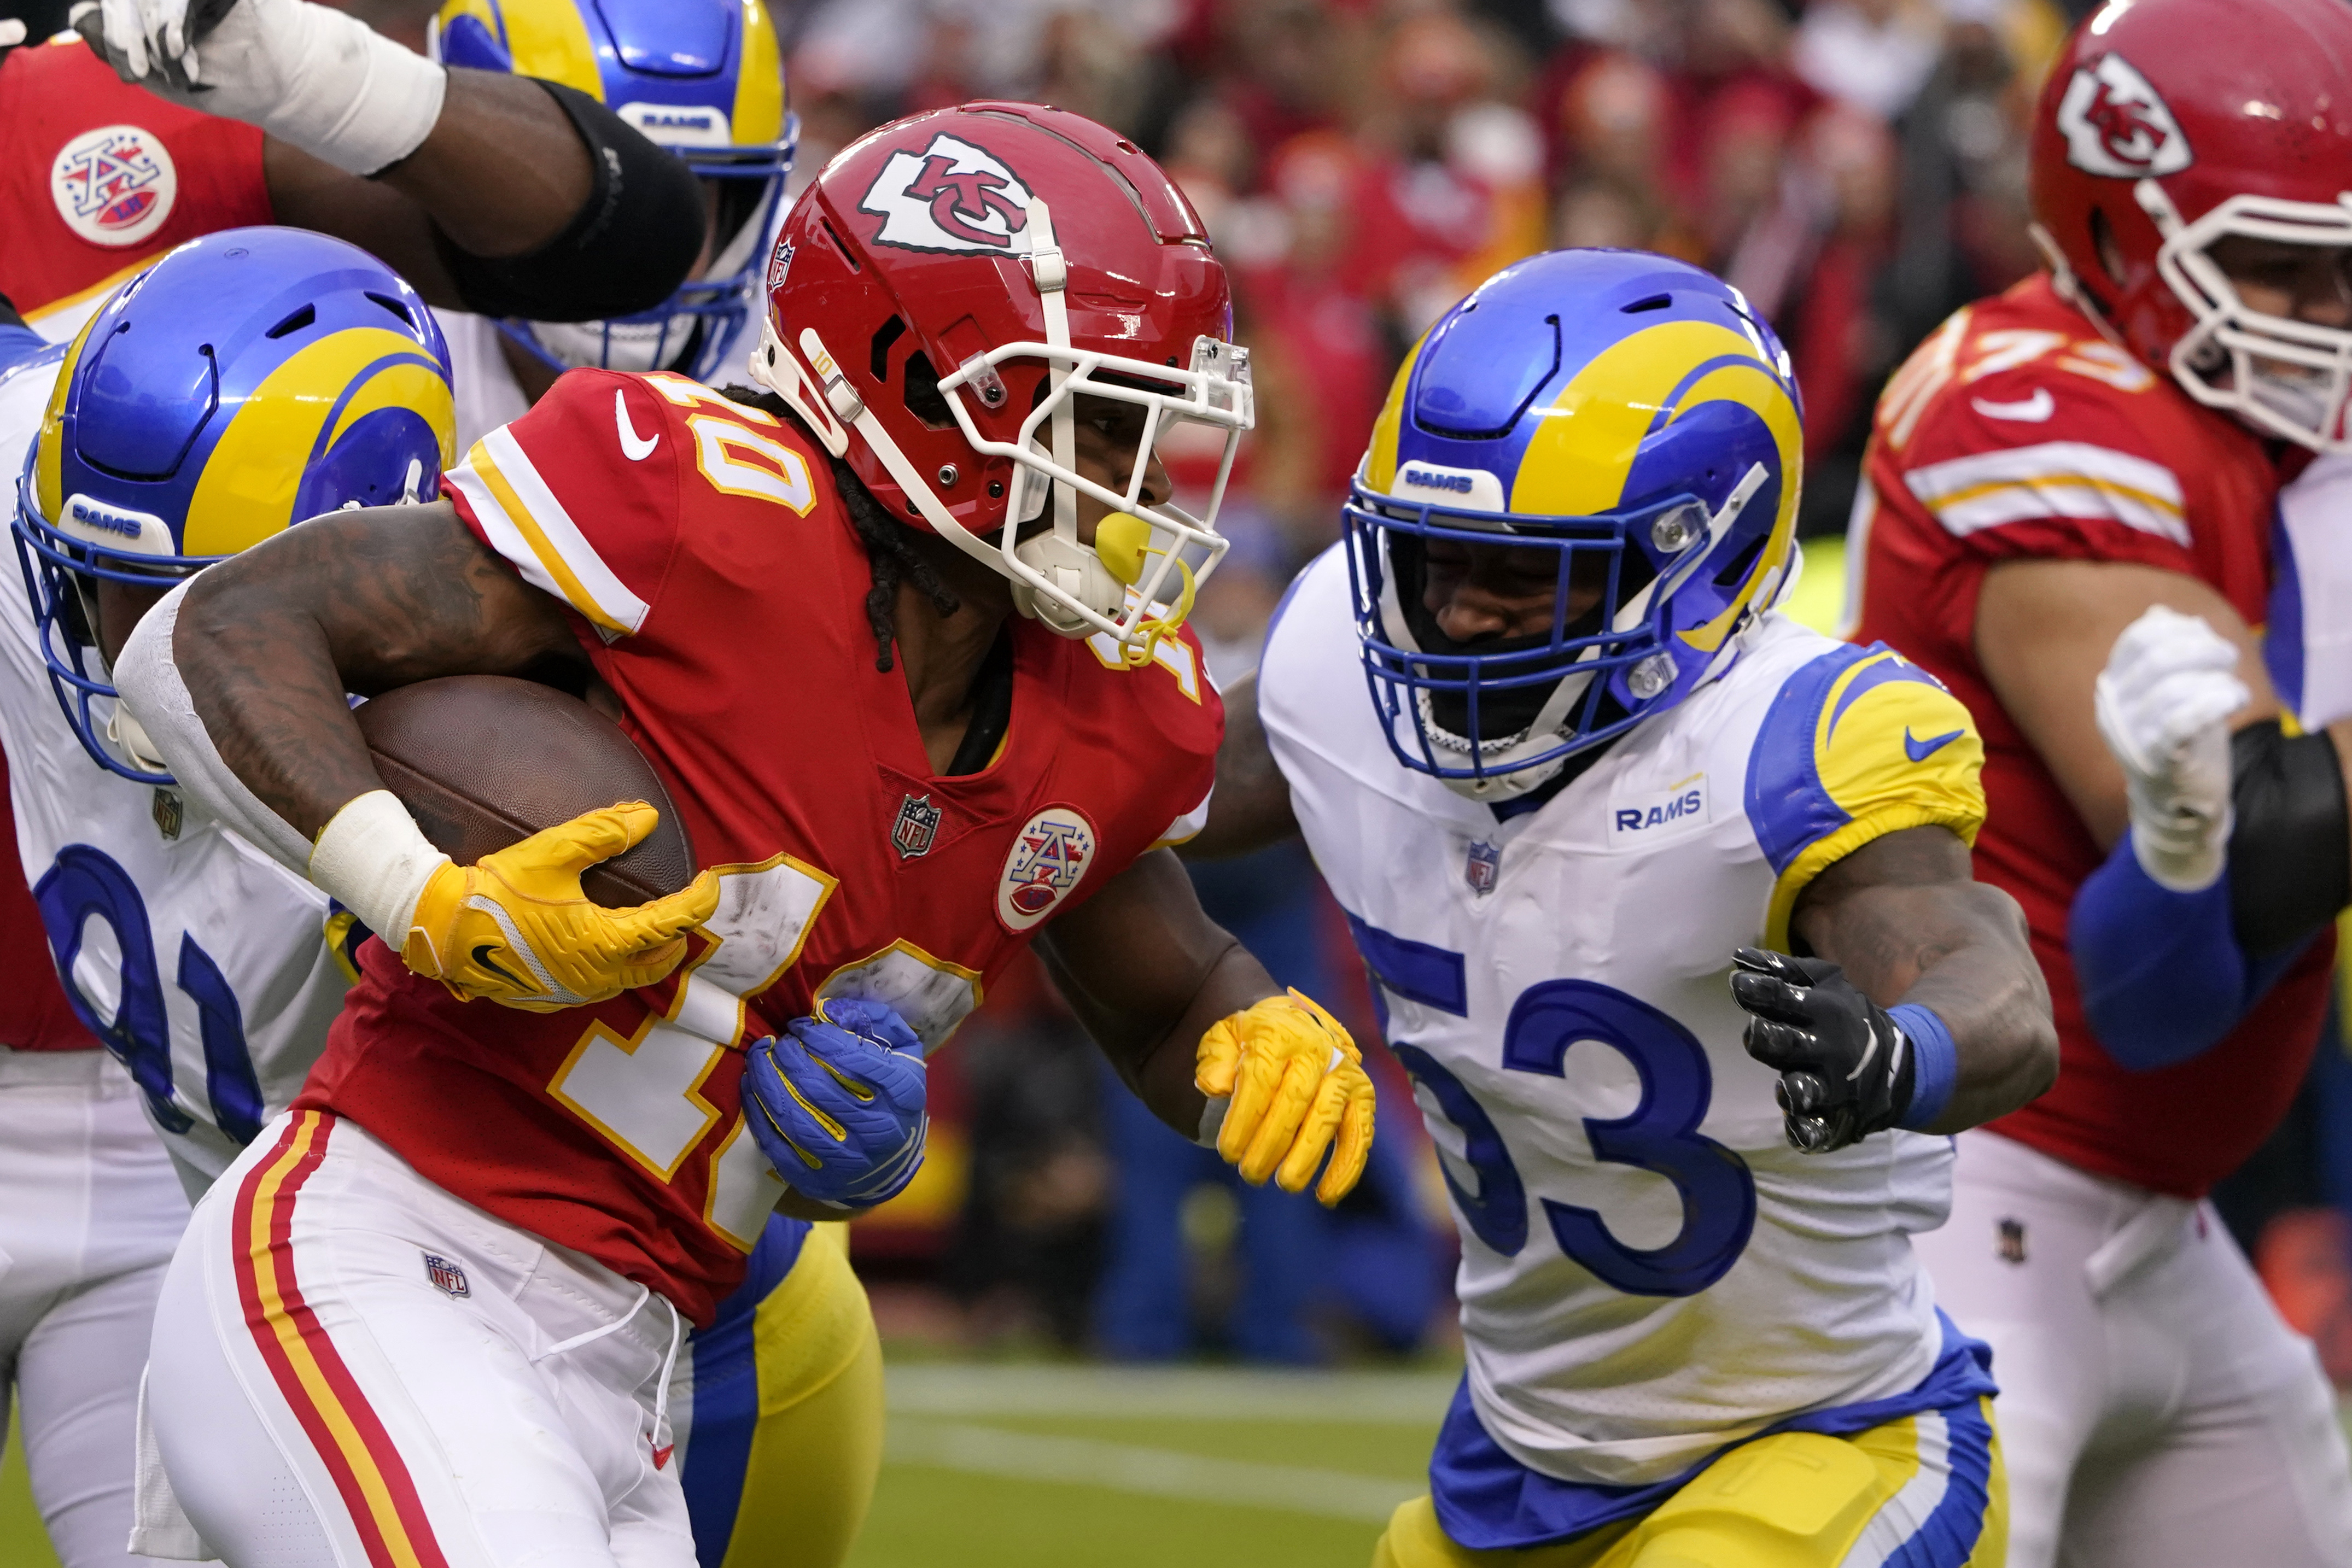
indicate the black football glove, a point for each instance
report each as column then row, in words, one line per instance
column 1845, row 1067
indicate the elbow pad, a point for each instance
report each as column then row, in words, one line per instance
column 626, row 249
column 2291, row 849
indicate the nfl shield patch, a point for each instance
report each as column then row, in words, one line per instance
column 918, row 821
column 2010, row 1240
column 1480, row 867
column 447, row 1276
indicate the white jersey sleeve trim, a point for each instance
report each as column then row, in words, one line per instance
column 1186, row 827
column 2053, row 479
column 526, row 524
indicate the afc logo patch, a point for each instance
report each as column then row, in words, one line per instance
column 955, row 197
column 2115, row 125
column 447, row 1277
column 918, row 821
column 114, row 186
column 1049, row 857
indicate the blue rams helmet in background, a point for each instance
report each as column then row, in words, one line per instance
column 702, row 77
column 244, row 381
column 1629, row 417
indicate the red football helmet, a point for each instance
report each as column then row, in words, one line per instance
column 942, row 295
column 2171, row 124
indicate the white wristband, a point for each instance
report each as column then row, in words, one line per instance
column 358, row 100
column 1213, row 1120
column 306, row 74
column 375, row 862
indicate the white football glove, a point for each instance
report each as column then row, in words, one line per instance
column 307, row 75
column 2162, row 701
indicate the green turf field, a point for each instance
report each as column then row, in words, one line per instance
column 1054, row 1465
column 1045, row 1466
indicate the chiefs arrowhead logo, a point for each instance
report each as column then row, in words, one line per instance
column 954, row 196
column 2115, row 125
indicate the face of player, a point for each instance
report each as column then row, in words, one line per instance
column 1109, row 434
column 2307, row 283
column 1488, row 593
column 119, row 609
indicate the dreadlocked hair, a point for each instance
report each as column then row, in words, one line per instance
column 890, row 550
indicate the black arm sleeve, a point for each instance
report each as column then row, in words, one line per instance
column 8, row 317
column 627, row 249
column 2290, row 867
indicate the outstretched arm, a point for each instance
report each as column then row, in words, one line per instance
column 1904, row 938
column 1251, row 809
column 488, row 191
column 1184, row 1013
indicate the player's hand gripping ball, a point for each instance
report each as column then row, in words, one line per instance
column 1846, row 1069
column 836, row 1103
column 1295, row 1084
column 514, row 928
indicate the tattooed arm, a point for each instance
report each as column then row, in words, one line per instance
column 1905, row 919
column 268, row 641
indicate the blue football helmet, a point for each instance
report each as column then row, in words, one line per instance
column 243, row 382
column 702, row 77
column 1630, row 416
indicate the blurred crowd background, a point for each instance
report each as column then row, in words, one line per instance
column 1855, row 166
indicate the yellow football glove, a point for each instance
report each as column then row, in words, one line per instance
column 516, row 928
column 1296, row 1082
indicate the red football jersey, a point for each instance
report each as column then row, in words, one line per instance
column 98, row 177
column 2018, row 432
column 719, row 587
column 34, row 1012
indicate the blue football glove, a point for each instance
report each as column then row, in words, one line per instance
column 836, row 1103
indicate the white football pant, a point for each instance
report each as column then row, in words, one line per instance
column 90, row 1210
column 2154, row 1411
column 351, row 1366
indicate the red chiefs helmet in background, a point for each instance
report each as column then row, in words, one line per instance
column 942, row 294
column 2170, row 124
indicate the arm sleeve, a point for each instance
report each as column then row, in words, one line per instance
column 1858, row 744
column 2161, row 974
column 627, row 249
column 580, row 495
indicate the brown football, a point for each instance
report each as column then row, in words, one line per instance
column 484, row 761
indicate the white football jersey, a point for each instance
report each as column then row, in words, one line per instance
column 1649, row 1272
column 205, row 966
column 2307, row 642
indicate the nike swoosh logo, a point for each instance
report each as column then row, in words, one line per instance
column 635, row 448
column 1920, row 750
column 482, row 961
column 662, row 1452
column 2026, row 411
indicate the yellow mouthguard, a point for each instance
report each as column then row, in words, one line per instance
column 1122, row 542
